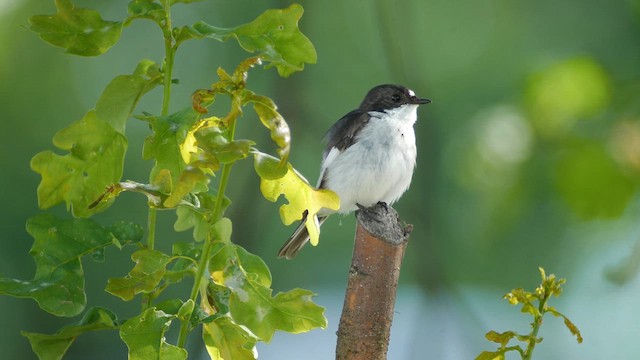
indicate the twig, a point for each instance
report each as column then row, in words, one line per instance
column 367, row 314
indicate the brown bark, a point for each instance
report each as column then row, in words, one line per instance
column 365, row 324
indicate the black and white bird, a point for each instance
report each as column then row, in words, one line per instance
column 370, row 155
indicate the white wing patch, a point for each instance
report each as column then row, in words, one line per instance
column 326, row 162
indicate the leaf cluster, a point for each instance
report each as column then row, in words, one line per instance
column 231, row 297
column 534, row 303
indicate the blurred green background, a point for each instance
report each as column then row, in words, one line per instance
column 529, row 156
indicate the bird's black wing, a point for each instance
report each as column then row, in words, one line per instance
column 339, row 137
column 343, row 133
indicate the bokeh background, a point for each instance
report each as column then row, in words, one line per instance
column 529, row 156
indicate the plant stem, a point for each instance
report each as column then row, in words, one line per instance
column 169, row 53
column 209, row 241
column 151, row 228
column 537, row 322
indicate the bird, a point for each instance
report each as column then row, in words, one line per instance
column 370, row 156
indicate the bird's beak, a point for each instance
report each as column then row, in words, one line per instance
column 418, row 101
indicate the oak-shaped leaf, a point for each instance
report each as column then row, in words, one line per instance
column 143, row 278
column 78, row 31
column 163, row 145
column 95, row 161
column 119, row 98
column 58, row 284
column 145, row 9
column 186, row 255
column 198, row 218
column 207, row 146
column 226, row 340
column 54, row 346
column 96, row 147
column 500, row 338
column 274, row 35
column 145, row 337
column 192, row 179
column 300, row 195
column 251, row 302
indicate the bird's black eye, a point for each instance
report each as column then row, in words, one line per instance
column 395, row 98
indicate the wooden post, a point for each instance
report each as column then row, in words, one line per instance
column 365, row 324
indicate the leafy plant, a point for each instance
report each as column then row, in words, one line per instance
column 550, row 286
column 231, row 297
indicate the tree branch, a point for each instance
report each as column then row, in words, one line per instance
column 365, row 324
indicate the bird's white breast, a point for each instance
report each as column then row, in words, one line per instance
column 379, row 165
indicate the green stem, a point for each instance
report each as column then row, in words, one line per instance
column 169, row 52
column 151, row 228
column 151, row 239
column 209, row 241
column 537, row 322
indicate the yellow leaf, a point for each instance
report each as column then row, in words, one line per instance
column 189, row 148
column 301, row 197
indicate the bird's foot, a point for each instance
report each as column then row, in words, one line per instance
column 374, row 212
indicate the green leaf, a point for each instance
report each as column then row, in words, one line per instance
column 234, row 151
column 145, row 276
column 145, row 9
column 207, row 146
column 302, row 197
column 144, row 336
column 185, row 310
column 531, row 309
column 95, row 161
column 96, row 145
column 185, row 255
column 58, row 284
column 274, row 35
column 254, row 266
column 191, row 180
column 574, row 329
column 120, row 97
column 79, row 31
column 500, row 338
column 169, row 132
column 200, row 139
column 54, row 346
column 218, row 298
column 292, row 311
column 170, row 306
column 272, row 120
column 226, row 340
column 591, row 182
column 222, row 230
column 251, row 302
column 126, row 232
column 268, row 167
column 198, row 218
column 570, row 325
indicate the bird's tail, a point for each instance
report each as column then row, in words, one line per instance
column 298, row 239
